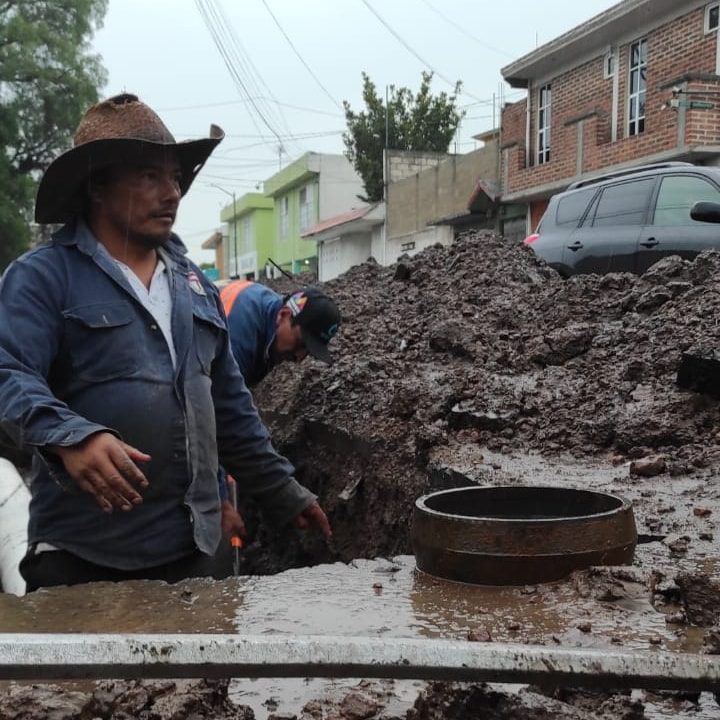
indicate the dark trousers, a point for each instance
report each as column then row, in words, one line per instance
column 59, row 567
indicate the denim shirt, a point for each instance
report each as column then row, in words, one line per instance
column 79, row 354
column 253, row 325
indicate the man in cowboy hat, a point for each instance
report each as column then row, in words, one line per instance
column 267, row 328
column 116, row 370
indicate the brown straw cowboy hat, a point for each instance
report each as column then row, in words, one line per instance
column 118, row 130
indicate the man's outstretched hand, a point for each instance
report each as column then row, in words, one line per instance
column 313, row 516
column 104, row 467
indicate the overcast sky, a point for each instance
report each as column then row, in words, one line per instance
column 163, row 51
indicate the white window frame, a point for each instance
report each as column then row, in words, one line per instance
column 633, row 124
column 609, row 65
column 305, row 207
column 407, row 246
column 544, row 116
column 284, row 217
column 706, row 22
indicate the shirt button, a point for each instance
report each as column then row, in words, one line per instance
column 153, row 327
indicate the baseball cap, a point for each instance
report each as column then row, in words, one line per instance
column 318, row 317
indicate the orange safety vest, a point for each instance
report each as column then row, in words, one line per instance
column 229, row 294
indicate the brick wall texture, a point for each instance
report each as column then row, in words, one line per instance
column 582, row 105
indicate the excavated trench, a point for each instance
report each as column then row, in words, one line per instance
column 469, row 364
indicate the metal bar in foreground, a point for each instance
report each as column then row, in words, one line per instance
column 71, row 656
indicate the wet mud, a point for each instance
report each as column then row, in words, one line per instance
column 468, row 364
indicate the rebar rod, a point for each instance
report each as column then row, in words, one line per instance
column 130, row 656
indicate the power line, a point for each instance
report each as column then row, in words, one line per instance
column 412, row 51
column 299, row 56
column 235, row 102
column 251, row 70
column 205, row 12
column 459, row 27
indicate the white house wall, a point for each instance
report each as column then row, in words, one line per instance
column 397, row 246
column 340, row 186
column 340, row 254
column 377, row 243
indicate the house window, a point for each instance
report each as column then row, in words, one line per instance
column 284, row 217
column 712, row 17
column 609, row 66
column 305, row 207
column 247, row 235
column 544, row 102
column 637, row 85
column 406, row 247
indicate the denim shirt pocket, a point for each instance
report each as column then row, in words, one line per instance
column 208, row 327
column 102, row 340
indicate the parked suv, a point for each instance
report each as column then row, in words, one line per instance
column 627, row 221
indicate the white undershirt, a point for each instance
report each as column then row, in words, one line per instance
column 156, row 299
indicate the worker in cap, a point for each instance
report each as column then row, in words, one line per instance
column 267, row 328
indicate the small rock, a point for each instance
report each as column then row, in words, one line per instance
column 514, row 626
column 584, row 627
column 677, row 618
column 648, row 466
column 702, row 511
column 479, row 635
column 707, row 536
column 356, row 706
column 655, row 640
column 677, row 543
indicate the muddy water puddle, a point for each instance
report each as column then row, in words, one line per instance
column 381, row 598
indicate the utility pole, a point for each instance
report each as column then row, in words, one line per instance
column 236, row 274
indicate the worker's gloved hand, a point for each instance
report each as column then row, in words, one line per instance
column 313, row 516
column 104, row 466
column 231, row 521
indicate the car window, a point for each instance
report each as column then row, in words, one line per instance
column 572, row 207
column 678, row 193
column 624, row 204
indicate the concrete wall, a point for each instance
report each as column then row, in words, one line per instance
column 439, row 191
column 401, row 164
column 340, row 254
column 584, row 114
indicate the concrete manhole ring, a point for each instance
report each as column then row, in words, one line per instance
column 517, row 535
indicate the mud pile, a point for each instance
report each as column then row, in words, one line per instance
column 483, row 336
column 482, row 343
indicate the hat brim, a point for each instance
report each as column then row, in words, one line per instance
column 61, row 193
column 317, row 348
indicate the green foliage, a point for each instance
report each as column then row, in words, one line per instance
column 48, row 78
column 421, row 122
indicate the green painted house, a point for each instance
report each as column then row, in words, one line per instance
column 249, row 240
column 312, row 189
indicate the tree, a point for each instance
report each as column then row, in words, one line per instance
column 48, row 78
column 414, row 122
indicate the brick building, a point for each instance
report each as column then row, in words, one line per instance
column 636, row 84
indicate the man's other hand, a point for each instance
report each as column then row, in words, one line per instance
column 104, row 467
column 313, row 516
column 231, row 520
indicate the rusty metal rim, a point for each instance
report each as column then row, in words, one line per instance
column 420, row 503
